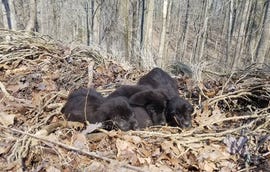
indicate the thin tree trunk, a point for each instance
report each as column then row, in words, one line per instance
column 205, row 28
column 184, row 38
column 148, row 60
column 264, row 43
column 6, row 11
column 178, row 41
column 239, row 46
column 134, row 31
column 142, row 24
column 86, row 8
column 163, row 34
column 127, row 33
column 31, row 25
column 166, row 58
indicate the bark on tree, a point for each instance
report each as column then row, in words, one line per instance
column 31, row 25
column 262, row 50
column 147, row 57
column 163, row 34
column 134, row 32
column 241, row 36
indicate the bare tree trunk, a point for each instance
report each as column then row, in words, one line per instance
column 87, row 18
column 229, row 32
column 31, row 25
column 125, row 14
column 134, row 32
column 163, row 34
column 196, row 49
column 6, row 17
column 263, row 45
column 148, row 60
column 93, row 14
column 166, row 58
column 223, row 37
column 205, row 27
column 142, row 24
column 185, row 31
column 178, row 43
column 241, row 37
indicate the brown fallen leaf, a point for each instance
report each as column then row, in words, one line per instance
column 207, row 166
column 52, row 169
column 6, row 119
column 133, row 139
column 213, row 153
column 80, row 141
column 96, row 166
column 169, row 147
column 91, row 127
column 126, row 151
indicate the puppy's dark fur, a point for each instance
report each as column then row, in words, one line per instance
column 179, row 112
column 178, row 109
column 142, row 117
column 118, row 111
column 98, row 109
column 154, row 102
column 77, row 108
column 157, row 78
column 128, row 90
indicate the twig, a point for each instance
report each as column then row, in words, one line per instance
column 229, row 95
column 92, row 154
column 90, row 74
column 11, row 98
column 225, row 132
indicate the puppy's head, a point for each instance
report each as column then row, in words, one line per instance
column 179, row 112
column 119, row 112
column 154, row 101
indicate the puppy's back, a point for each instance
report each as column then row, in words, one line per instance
column 77, row 107
column 157, row 78
column 128, row 90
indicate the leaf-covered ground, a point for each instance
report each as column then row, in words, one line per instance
column 230, row 130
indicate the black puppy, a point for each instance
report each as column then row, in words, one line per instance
column 154, row 102
column 178, row 109
column 88, row 105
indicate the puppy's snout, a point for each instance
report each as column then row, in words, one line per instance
column 163, row 123
column 187, row 124
column 134, row 124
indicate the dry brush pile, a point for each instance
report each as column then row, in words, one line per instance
column 231, row 123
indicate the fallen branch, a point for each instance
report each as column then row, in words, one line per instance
column 92, row 154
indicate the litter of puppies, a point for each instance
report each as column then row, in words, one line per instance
column 155, row 96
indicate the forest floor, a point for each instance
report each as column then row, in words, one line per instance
column 230, row 127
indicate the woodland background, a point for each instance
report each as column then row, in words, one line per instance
column 222, row 34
